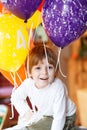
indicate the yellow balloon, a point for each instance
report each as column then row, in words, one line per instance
column 13, row 42
column 35, row 20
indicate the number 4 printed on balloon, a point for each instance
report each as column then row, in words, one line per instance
column 20, row 40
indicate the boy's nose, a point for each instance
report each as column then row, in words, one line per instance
column 45, row 71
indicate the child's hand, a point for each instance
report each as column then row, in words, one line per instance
column 27, row 116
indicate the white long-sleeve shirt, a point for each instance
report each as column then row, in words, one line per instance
column 52, row 100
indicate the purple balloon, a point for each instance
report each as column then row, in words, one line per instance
column 64, row 20
column 23, row 9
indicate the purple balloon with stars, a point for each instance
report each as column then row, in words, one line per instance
column 64, row 20
column 23, row 9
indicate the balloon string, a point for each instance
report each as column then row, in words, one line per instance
column 25, row 72
column 19, row 77
column 36, row 27
column 61, row 71
column 29, row 39
column 28, row 74
column 12, row 111
column 30, row 35
column 58, row 63
column 15, row 85
column 15, row 80
column 46, row 57
column 58, row 60
column 34, row 34
column 11, row 76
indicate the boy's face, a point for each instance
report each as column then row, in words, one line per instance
column 43, row 73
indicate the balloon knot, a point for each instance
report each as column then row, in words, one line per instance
column 25, row 21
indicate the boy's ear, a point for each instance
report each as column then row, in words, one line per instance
column 56, row 74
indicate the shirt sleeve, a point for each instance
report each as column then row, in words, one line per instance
column 18, row 99
column 59, row 109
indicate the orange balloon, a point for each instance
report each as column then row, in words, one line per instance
column 20, row 75
column 3, row 10
column 1, row 7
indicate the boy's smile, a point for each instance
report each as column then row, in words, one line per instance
column 43, row 73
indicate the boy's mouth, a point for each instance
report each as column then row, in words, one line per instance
column 44, row 78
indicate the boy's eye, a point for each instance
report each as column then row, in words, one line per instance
column 37, row 68
column 50, row 67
